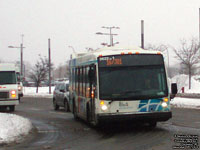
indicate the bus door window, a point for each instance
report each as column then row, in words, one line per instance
column 84, row 82
column 87, row 89
column 92, row 78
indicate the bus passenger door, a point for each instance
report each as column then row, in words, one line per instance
column 92, row 83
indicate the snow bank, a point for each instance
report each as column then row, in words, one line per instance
column 42, row 92
column 12, row 127
column 185, row 102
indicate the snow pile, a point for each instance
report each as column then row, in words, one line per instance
column 185, row 102
column 183, row 81
column 12, row 127
column 42, row 92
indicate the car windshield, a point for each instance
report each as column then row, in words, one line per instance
column 132, row 83
column 7, row 77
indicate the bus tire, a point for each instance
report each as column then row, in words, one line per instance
column 88, row 113
column 75, row 111
column 152, row 124
column 66, row 106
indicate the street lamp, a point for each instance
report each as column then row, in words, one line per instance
column 21, row 52
column 110, row 34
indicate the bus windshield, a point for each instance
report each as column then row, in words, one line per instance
column 7, row 77
column 132, row 82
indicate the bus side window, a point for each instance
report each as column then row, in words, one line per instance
column 78, row 81
column 83, row 86
column 73, row 78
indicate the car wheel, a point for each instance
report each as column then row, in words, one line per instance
column 56, row 107
column 66, row 106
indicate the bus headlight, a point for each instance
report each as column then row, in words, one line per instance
column 164, row 104
column 104, row 107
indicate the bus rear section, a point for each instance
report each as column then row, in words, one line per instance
column 8, row 86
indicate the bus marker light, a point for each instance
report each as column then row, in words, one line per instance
column 130, row 53
column 122, row 53
column 100, row 55
column 137, row 53
column 102, row 103
column 158, row 53
column 165, row 99
column 92, row 94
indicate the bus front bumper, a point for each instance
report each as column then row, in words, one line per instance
column 154, row 116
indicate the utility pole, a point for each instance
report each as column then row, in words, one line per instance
column 21, row 55
column 199, row 26
column 142, row 34
column 49, row 50
column 21, row 46
column 110, row 34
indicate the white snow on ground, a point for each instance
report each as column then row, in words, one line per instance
column 42, row 92
column 183, row 81
column 186, row 102
column 12, row 127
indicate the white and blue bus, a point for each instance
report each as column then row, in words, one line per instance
column 120, row 84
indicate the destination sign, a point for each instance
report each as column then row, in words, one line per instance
column 130, row 60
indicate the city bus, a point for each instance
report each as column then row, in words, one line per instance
column 120, row 84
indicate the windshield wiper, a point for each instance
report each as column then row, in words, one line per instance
column 131, row 92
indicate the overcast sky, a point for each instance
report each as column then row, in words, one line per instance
column 75, row 22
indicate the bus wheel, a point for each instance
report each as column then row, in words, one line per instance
column 66, row 106
column 152, row 124
column 12, row 108
column 75, row 112
column 88, row 114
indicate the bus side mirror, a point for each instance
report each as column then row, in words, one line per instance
column 174, row 89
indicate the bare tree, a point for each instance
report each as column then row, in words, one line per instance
column 61, row 71
column 160, row 47
column 40, row 71
column 188, row 55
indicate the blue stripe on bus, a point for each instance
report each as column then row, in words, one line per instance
column 151, row 105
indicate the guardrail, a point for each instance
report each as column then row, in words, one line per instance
column 188, row 95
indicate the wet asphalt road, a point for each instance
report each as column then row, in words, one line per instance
column 57, row 130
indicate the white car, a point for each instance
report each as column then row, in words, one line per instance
column 61, row 96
